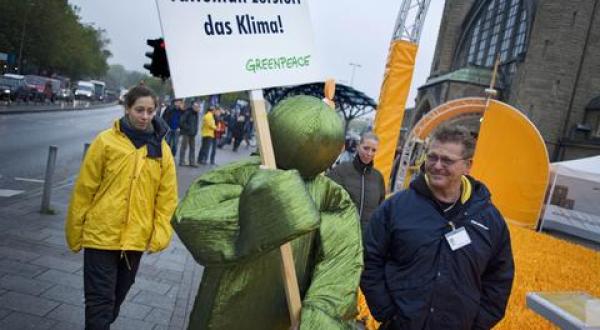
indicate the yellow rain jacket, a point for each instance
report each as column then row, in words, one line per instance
column 123, row 200
column 208, row 125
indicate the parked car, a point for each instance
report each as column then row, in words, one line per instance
column 5, row 93
column 65, row 94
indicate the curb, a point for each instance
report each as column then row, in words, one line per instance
column 34, row 110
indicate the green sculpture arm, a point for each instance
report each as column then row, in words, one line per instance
column 239, row 212
column 330, row 302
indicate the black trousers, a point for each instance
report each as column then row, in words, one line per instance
column 107, row 277
column 207, row 143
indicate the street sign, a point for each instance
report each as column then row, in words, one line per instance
column 222, row 46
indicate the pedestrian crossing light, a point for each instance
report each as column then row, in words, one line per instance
column 159, row 67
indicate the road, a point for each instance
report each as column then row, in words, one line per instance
column 24, row 142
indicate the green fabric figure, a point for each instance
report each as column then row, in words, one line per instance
column 234, row 218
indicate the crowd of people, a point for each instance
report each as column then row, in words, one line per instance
column 436, row 255
column 218, row 127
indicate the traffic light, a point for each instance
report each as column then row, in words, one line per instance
column 159, row 67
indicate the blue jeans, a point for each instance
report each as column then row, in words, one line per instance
column 172, row 139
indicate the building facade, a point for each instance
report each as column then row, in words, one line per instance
column 549, row 65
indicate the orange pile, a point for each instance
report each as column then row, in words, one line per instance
column 542, row 263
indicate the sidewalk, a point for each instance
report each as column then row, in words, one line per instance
column 32, row 108
column 41, row 281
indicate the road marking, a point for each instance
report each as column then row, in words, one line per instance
column 10, row 193
column 29, row 180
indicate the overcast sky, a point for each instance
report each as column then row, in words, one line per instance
column 346, row 31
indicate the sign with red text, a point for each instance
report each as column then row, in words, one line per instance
column 219, row 46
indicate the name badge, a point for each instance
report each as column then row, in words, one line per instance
column 458, row 238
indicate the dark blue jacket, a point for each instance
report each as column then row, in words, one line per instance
column 171, row 116
column 413, row 280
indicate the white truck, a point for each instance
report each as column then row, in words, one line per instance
column 99, row 90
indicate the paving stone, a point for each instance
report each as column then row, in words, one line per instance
column 21, row 321
column 154, row 286
column 57, row 240
column 177, row 321
column 159, row 316
column 65, row 294
column 171, row 275
column 67, row 326
column 32, row 234
column 58, row 277
column 26, row 303
column 24, row 285
column 132, row 293
column 170, row 265
column 4, row 312
column 155, row 300
column 57, row 263
column 125, row 323
column 19, row 268
column 17, row 255
column 69, row 314
column 160, row 327
column 134, row 311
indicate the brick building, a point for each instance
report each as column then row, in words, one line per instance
column 549, row 54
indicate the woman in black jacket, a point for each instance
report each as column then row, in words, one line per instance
column 363, row 182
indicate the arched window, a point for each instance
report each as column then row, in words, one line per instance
column 499, row 28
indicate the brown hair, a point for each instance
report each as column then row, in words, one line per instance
column 136, row 92
column 455, row 134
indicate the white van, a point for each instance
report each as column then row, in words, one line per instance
column 84, row 90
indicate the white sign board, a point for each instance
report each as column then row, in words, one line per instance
column 219, row 46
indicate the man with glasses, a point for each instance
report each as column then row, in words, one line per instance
column 438, row 255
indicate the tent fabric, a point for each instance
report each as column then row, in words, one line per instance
column 392, row 101
column 585, row 168
column 572, row 206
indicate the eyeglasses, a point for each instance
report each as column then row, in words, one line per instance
column 446, row 161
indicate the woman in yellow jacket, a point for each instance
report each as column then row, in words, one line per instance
column 208, row 137
column 121, row 205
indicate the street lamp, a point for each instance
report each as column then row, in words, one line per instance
column 354, row 66
column 28, row 5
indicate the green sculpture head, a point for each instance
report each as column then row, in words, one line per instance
column 307, row 135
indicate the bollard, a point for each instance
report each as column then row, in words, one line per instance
column 52, row 150
column 86, row 146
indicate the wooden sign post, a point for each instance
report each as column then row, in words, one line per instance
column 288, row 268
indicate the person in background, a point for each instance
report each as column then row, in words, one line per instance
column 208, row 135
column 349, row 151
column 172, row 115
column 438, row 255
column 188, row 126
column 363, row 182
column 238, row 129
column 121, row 205
column 221, row 127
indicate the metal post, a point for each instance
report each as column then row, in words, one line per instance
column 52, row 150
column 86, row 146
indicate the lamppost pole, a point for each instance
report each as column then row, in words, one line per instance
column 354, row 66
column 20, row 61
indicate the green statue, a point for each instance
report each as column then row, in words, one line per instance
column 234, row 219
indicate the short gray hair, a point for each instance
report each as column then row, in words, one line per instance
column 368, row 136
column 456, row 134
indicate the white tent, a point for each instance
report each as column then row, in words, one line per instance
column 573, row 202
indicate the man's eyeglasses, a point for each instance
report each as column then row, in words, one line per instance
column 446, row 161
